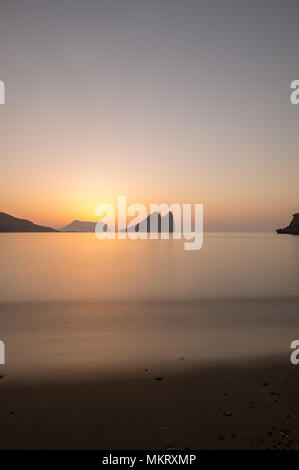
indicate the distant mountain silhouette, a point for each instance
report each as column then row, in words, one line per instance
column 292, row 228
column 158, row 224
column 82, row 226
column 8, row 223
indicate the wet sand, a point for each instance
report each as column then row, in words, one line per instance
column 244, row 406
column 200, row 375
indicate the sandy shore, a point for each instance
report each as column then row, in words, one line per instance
column 200, row 375
column 244, row 406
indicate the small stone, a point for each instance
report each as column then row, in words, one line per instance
column 285, row 430
column 227, row 413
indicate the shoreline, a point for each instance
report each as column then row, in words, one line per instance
column 242, row 406
column 199, row 375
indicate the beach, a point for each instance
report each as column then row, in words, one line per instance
column 139, row 345
column 186, row 375
column 215, row 408
column 149, row 230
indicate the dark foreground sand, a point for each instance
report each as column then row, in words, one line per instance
column 242, row 406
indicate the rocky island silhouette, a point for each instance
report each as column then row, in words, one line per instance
column 83, row 226
column 9, row 223
column 292, row 228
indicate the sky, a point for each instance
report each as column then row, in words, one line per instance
column 161, row 101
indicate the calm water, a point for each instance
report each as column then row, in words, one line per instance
column 79, row 267
column 72, row 306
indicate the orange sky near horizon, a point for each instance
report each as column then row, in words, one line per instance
column 160, row 103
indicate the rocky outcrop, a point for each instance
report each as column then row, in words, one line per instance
column 83, row 226
column 8, row 223
column 160, row 224
column 292, row 228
